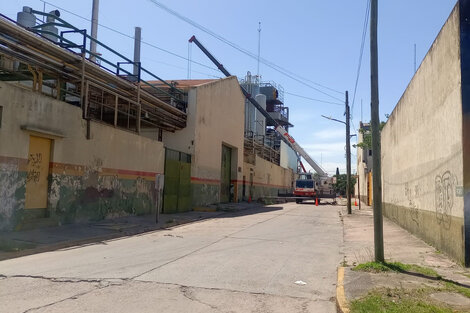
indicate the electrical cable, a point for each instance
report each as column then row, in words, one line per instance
column 248, row 53
column 131, row 37
column 361, row 51
column 180, row 67
column 308, row 98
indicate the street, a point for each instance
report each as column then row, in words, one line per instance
column 247, row 261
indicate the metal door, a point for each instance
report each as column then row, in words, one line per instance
column 37, row 173
column 184, row 190
column 225, row 174
column 177, row 186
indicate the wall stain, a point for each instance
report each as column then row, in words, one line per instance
column 12, row 195
column 411, row 194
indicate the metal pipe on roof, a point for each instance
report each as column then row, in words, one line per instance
column 35, row 46
column 137, row 42
column 94, row 29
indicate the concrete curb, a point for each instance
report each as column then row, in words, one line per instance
column 341, row 302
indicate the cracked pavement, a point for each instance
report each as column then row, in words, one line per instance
column 239, row 262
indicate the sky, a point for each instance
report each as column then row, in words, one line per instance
column 318, row 42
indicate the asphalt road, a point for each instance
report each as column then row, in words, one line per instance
column 241, row 262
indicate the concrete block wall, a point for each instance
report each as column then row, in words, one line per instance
column 111, row 174
column 422, row 148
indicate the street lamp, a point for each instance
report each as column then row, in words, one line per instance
column 348, row 153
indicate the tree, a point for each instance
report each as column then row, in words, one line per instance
column 367, row 138
column 340, row 186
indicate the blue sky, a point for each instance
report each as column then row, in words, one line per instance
column 317, row 40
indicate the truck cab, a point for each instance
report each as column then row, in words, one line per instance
column 305, row 186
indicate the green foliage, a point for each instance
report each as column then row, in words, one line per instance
column 396, row 302
column 367, row 137
column 451, row 286
column 377, row 267
column 340, row 186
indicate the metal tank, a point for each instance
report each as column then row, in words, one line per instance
column 251, row 85
column 26, row 18
column 259, row 118
column 51, row 32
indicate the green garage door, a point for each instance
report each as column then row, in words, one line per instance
column 177, row 188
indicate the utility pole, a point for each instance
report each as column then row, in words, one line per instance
column 348, row 156
column 375, row 124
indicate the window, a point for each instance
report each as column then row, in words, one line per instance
column 370, row 152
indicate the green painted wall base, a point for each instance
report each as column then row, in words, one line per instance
column 442, row 231
column 70, row 200
column 204, row 194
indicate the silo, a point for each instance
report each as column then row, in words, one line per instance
column 26, row 18
column 250, row 84
column 260, row 119
column 51, row 32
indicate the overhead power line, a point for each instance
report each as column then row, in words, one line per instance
column 361, row 51
column 131, row 37
column 312, row 99
column 270, row 64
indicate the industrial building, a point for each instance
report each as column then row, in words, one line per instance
column 83, row 138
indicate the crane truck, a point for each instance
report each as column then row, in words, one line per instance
column 308, row 185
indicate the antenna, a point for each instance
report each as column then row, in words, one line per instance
column 259, row 46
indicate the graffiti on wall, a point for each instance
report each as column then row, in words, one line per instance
column 444, row 197
column 34, row 167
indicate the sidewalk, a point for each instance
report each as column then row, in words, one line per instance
column 21, row 243
column 447, row 291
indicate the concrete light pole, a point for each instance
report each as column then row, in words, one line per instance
column 375, row 124
column 348, row 152
column 348, row 157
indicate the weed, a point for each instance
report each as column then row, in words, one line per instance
column 377, row 267
column 393, row 301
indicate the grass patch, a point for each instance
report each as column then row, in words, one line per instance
column 396, row 302
column 378, row 267
column 450, row 286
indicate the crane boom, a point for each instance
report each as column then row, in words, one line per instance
column 281, row 130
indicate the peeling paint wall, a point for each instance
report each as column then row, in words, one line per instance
column 422, row 158
column 112, row 174
column 12, row 192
